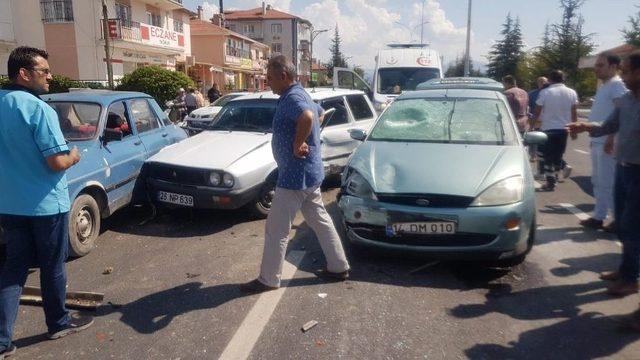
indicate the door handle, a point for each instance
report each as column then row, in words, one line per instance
column 165, row 135
column 137, row 142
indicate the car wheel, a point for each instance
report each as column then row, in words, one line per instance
column 261, row 206
column 84, row 225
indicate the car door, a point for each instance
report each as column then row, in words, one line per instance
column 336, row 140
column 123, row 158
column 344, row 78
column 154, row 137
column 174, row 133
column 362, row 111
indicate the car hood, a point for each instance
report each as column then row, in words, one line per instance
column 212, row 149
column 427, row 168
column 207, row 110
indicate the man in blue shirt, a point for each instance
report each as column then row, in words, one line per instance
column 296, row 149
column 35, row 201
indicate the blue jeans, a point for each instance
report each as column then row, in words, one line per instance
column 627, row 215
column 41, row 241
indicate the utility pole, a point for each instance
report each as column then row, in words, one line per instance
column 422, row 25
column 467, row 61
column 107, row 43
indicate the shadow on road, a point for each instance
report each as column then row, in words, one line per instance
column 594, row 264
column 584, row 183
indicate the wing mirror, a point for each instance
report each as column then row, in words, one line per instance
column 535, row 138
column 358, row 134
column 111, row 135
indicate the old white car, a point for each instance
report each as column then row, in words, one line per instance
column 230, row 164
column 200, row 118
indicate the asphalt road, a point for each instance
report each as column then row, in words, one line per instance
column 173, row 294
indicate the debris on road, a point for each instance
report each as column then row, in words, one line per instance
column 75, row 299
column 191, row 276
column 310, row 324
column 322, row 295
column 108, row 270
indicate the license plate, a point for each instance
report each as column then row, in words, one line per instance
column 425, row 228
column 178, row 199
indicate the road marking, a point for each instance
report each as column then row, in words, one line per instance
column 582, row 151
column 536, row 184
column 247, row 335
column 581, row 215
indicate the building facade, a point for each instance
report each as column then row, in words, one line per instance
column 284, row 33
column 16, row 33
column 142, row 32
column 233, row 61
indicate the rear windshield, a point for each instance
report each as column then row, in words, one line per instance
column 397, row 80
column 225, row 99
column 246, row 115
column 78, row 120
column 446, row 120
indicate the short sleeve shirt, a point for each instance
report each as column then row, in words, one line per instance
column 29, row 133
column 518, row 102
column 603, row 104
column 295, row 173
column 556, row 101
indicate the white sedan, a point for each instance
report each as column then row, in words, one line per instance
column 230, row 164
column 201, row 118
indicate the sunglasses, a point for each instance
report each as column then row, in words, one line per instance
column 44, row 70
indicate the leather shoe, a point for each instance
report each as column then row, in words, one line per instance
column 610, row 276
column 326, row 274
column 255, row 287
column 610, row 228
column 622, row 288
column 591, row 223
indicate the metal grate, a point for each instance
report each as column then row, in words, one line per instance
column 53, row 11
column 179, row 175
column 427, row 200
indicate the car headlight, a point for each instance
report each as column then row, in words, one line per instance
column 507, row 191
column 214, row 178
column 227, row 180
column 356, row 185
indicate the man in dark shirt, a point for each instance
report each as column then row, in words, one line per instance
column 214, row 93
column 625, row 123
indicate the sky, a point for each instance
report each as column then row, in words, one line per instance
column 365, row 26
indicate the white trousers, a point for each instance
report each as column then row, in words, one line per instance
column 284, row 207
column 603, row 167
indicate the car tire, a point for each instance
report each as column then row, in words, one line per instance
column 84, row 225
column 262, row 204
column 519, row 259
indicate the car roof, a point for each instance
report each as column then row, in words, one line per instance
column 103, row 97
column 477, row 83
column 318, row 93
column 451, row 93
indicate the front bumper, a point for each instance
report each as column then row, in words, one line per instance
column 204, row 197
column 480, row 231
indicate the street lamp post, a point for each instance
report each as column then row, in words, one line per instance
column 467, row 60
column 314, row 34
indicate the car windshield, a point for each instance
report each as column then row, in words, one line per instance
column 397, row 80
column 78, row 121
column 446, row 120
column 246, row 115
column 225, row 99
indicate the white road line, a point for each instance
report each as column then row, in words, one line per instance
column 247, row 335
column 582, row 151
column 580, row 215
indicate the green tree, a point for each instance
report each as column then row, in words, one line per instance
column 456, row 69
column 337, row 58
column 161, row 84
column 507, row 52
column 632, row 34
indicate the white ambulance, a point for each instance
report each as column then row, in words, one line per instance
column 399, row 67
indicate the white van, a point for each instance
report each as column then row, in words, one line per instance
column 399, row 67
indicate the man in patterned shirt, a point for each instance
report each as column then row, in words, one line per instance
column 296, row 149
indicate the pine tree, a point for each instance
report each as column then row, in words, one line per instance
column 507, row 52
column 337, row 58
column 632, row 34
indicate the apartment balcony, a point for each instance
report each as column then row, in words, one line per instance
column 164, row 4
column 141, row 36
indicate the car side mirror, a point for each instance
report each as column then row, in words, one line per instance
column 535, row 138
column 357, row 134
column 111, row 135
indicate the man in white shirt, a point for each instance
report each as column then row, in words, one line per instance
column 555, row 108
column 602, row 160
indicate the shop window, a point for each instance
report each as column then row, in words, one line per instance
column 123, row 12
column 53, row 11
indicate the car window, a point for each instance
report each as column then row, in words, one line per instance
column 397, row 80
column 247, row 115
column 145, row 119
column 448, row 120
column 225, row 99
column 117, row 118
column 78, row 121
column 341, row 115
column 359, row 107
